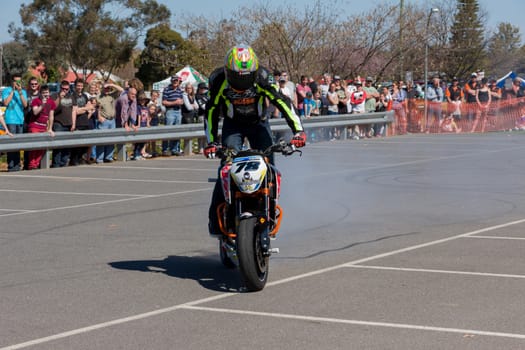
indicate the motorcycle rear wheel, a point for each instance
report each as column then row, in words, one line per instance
column 253, row 263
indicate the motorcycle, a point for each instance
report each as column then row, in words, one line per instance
column 250, row 217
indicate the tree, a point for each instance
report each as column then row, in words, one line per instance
column 86, row 35
column 314, row 39
column 368, row 43
column 467, row 43
column 15, row 59
column 503, row 49
column 292, row 42
column 165, row 53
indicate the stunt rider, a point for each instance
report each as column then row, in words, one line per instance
column 238, row 92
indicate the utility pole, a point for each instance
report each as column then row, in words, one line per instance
column 425, row 82
column 1, row 65
column 401, row 24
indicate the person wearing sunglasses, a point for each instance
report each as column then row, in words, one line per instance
column 33, row 92
column 63, row 121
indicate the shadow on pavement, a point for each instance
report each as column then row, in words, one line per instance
column 207, row 271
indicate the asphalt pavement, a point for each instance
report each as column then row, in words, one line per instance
column 406, row 242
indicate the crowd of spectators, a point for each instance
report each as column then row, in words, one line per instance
column 450, row 107
column 98, row 105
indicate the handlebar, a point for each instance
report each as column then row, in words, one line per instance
column 281, row 146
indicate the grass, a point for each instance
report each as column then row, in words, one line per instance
column 3, row 162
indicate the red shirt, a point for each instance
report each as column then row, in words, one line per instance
column 39, row 122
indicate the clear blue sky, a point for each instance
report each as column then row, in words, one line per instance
column 498, row 10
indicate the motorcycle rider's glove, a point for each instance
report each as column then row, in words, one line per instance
column 210, row 150
column 299, row 139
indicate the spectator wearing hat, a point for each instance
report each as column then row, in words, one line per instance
column 370, row 105
column 309, row 104
column 414, row 117
column 372, row 95
column 172, row 100
column 358, row 98
column 106, row 120
column 202, row 97
column 357, row 103
column 496, row 95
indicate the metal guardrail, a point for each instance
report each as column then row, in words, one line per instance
column 187, row 132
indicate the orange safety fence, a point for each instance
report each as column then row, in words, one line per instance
column 501, row 115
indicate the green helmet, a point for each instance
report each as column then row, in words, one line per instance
column 240, row 66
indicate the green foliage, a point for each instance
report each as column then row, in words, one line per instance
column 87, row 34
column 382, row 42
column 15, row 60
column 504, row 50
column 165, row 53
column 467, row 42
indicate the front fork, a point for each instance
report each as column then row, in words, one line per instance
column 264, row 224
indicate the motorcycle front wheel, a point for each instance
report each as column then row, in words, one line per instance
column 223, row 254
column 253, row 263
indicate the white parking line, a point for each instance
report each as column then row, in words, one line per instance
column 106, row 202
column 155, row 168
column 499, row 237
column 111, row 323
column 72, row 193
column 358, row 322
column 450, row 272
column 74, row 178
column 194, row 303
column 16, row 210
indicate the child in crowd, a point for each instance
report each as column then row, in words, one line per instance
column 448, row 124
column 308, row 104
column 153, row 121
column 3, row 127
column 316, row 110
column 143, row 121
